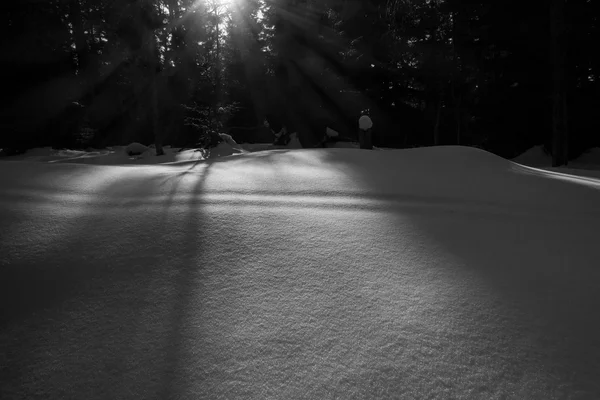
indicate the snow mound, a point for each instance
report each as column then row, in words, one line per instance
column 223, row 149
column 445, row 174
column 116, row 155
column 228, row 139
column 344, row 145
column 254, row 147
column 135, row 148
column 331, row 133
column 534, row 157
column 365, row 122
column 37, row 154
column 590, row 158
column 294, row 142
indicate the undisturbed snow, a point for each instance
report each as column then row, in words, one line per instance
column 439, row 273
column 588, row 164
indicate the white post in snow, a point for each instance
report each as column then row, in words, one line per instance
column 365, row 125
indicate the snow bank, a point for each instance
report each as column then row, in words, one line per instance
column 37, row 154
column 590, row 158
column 294, row 142
column 534, row 157
column 228, row 139
column 223, row 149
column 253, row 147
column 458, row 175
column 331, row 133
column 344, row 145
column 135, row 148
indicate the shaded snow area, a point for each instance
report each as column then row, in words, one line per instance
column 587, row 165
column 534, row 157
column 537, row 157
column 590, row 158
column 435, row 273
column 136, row 149
column 331, row 133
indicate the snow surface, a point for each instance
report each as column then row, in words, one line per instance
column 587, row 165
column 118, row 155
column 435, row 273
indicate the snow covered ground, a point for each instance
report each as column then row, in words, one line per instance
column 120, row 155
column 587, row 165
column 435, row 273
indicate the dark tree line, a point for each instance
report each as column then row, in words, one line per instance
column 503, row 76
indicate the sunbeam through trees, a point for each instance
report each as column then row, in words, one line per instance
column 497, row 75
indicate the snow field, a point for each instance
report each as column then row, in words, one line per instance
column 328, row 273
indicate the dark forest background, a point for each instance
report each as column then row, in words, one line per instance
column 500, row 75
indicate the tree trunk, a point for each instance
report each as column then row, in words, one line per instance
column 151, row 59
column 436, row 126
column 155, row 116
column 466, row 122
column 81, row 52
column 217, row 71
column 457, row 114
column 456, row 97
column 81, row 49
column 559, row 104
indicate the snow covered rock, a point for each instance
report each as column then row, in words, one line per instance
column 135, row 149
column 331, row 133
column 294, row 142
column 534, row 157
column 223, row 149
column 365, row 122
column 228, row 139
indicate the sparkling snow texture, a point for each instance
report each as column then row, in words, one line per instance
column 438, row 273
